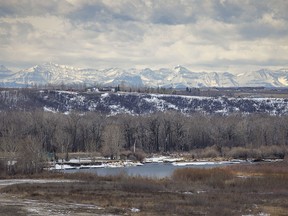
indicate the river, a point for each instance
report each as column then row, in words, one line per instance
column 151, row 170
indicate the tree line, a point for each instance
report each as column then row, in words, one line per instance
column 29, row 136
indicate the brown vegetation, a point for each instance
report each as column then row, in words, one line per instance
column 33, row 138
column 234, row 190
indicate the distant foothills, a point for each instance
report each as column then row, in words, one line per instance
column 177, row 77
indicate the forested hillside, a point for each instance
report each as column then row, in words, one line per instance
column 134, row 103
column 35, row 123
column 29, row 135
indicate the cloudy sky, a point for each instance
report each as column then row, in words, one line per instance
column 211, row 35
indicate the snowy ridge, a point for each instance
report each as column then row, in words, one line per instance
column 131, row 103
column 137, row 103
column 178, row 77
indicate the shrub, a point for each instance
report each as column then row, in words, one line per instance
column 137, row 185
column 30, row 158
column 244, row 153
column 238, row 152
column 286, row 157
column 2, row 168
column 215, row 177
column 140, row 155
column 273, row 151
column 208, row 152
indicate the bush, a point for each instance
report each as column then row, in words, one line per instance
column 30, row 158
column 244, row 153
column 208, row 152
column 273, row 151
column 137, row 185
column 215, row 177
column 140, row 155
column 2, row 168
column 238, row 152
column 286, row 157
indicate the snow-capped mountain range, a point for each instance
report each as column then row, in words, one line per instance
column 177, row 77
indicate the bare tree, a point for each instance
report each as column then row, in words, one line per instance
column 30, row 157
column 96, row 131
column 11, row 134
column 168, row 134
column 71, row 128
column 129, row 130
column 154, row 130
column 113, row 141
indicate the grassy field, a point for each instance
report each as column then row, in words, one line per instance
column 256, row 189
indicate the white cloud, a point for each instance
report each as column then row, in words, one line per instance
column 208, row 34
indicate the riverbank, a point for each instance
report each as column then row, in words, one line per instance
column 241, row 189
column 77, row 163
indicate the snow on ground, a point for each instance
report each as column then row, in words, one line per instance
column 105, row 95
column 46, row 208
column 49, row 109
column 88, row 163
column 162, row 159
column 6, row 182
column 201, row 163
column 259, row 214
column 135, row 210
column 67, row 92
column 74, row 164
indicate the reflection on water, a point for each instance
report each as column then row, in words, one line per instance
column 152, row 170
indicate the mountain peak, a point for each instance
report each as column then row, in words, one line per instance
column 178, row 67
column 181, row 69
column 3, row 68
column 49, row 63
column 285, row 70
column 51, row 73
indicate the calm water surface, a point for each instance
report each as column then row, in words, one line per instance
column 152, row 170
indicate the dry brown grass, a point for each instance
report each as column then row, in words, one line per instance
column 263, row 152
column 208, row 152
column 219, row 191
column 274, row 168
column 215, row 178
column 248, row 152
